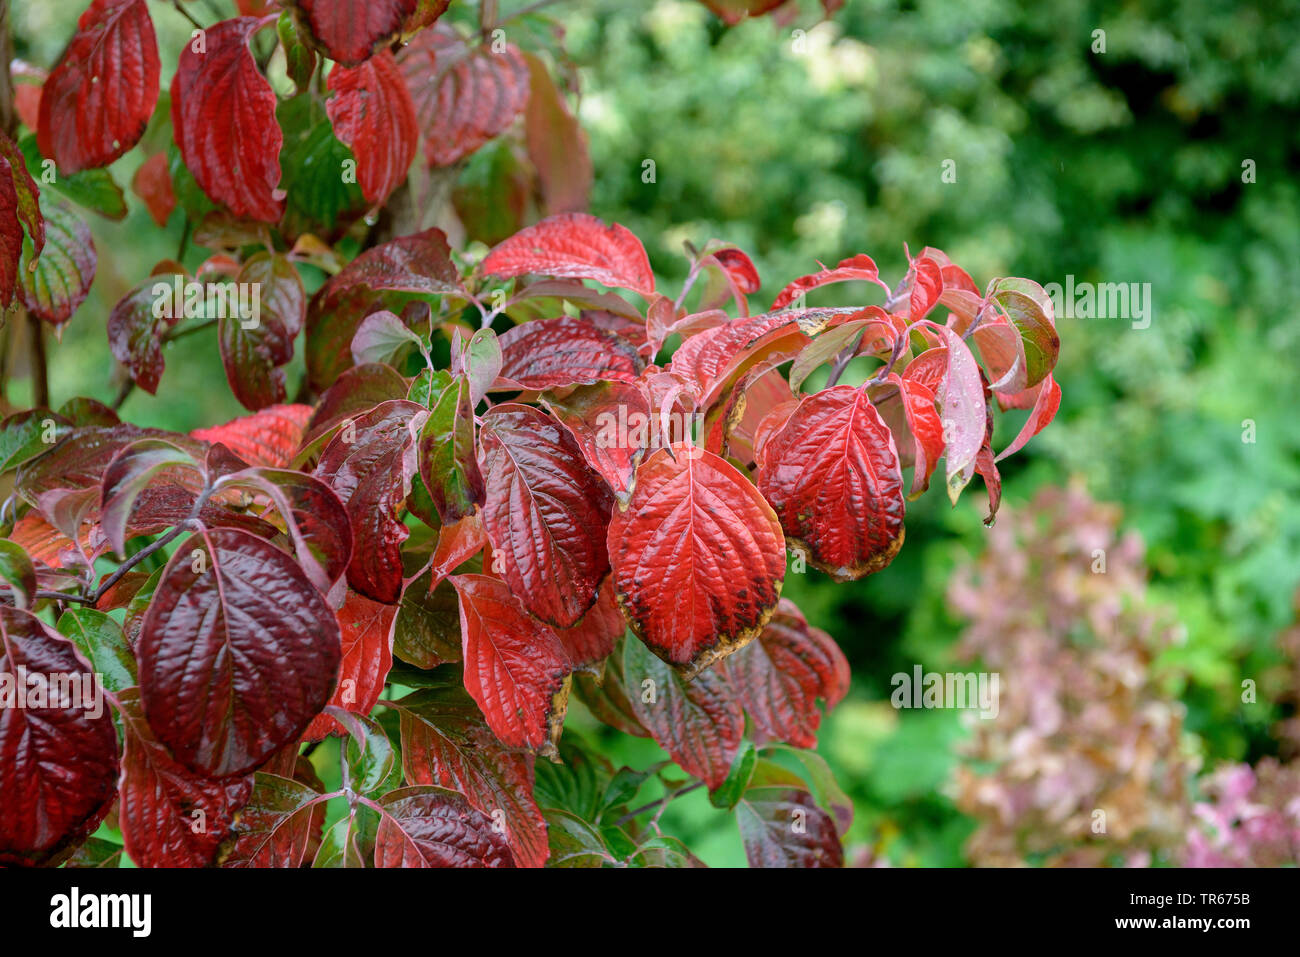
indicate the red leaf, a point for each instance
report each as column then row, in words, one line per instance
column 153, row 183
column 861, row 267
column 356, row 390
column 223, row 115
column 557, row 144
column 833, row 477
column 965, row 412
column 371, row 111
column 550, row 353
column 236, row 658
column 170, row 816
column 575, row 246
column 698, row 557
column 699, row 722
column 371, row 473
column 780, row 676
column 267, row 438
column 601, row 418
column 445, row 742
column 419, row 263
column 434, row 827
column 58, row 765
column 350, row 31
column 740, row 268
column 924, row 427
column 463, row 96
column 19, row 207
column 98, row 100
column 733, row 11
column 593, row 638
column 927, row 285
column 545, row 513
column 1046, row 398
column 135, row 331
column 515, row 667
column 255, row 349
column 366, row 628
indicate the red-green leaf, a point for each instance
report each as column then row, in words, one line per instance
column 98, row 100
column 371, row 112
column 1030, row 309
column 550, row 353
column 698, row 557
column 255, row 348
column 170, row 816
column 433, row 827
column 136, row 327
column 223, row 114
column 278, row 826
column 130, row 473
column 780, row 677
column 58, row 764
column 832, row 475
column 515, row 667
column 448, row 461
column 781, row 824
column 238, row 652
column 545, row 513
column 575, row 246
column 57, row 282
column 699, row 722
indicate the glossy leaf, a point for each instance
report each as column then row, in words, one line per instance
column 223, row 115
column 433, row 827
column 371, row 111
column 238, row 652
column 575, row 246
column 782, row 826
column 351, row 31
column 57, row 283
column 549, row 353
column 698, row 557
column 860, row 267
column 545, row 513
column 278, row 825
column 98, row 99
column 448, row 460
column 366, row 632
column 136, row 326
column 267, row 438
column 256, row 347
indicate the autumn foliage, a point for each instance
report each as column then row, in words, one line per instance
column 509, row 480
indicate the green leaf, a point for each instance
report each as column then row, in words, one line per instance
column 573, row 842
column 102, row 641
column 729, row 793
column 311, row 164
column 370, row 761
column 92, row 188
column 25, row 435
column 57, row 281
column 17, row 570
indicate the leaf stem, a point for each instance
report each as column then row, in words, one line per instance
column 661, row 802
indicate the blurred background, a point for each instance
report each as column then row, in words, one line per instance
column 1112, row 142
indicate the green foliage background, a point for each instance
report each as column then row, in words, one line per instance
column 1122, row 166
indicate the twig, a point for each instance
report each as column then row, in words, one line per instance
column 40, row 370
column 186, row 14
column 654, row 804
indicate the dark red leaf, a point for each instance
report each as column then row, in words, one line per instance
column 575, row 246
column 58, row 764
column 238, row 652
column 19, row 208
column 357, row 390
column 419, row 263
column 568, row 350
column 170, row 816
column 463, row 96
column 699, row 722
column 733, row 11
column 545, row 513
column 255, row 348
column 698, row 557
column 515, row 667
column 371, row 112
column 369, row 465
column 223, row 115
column 445, row 742
column 350, row 31
column 782, row 826
column 434, row 827
column 278, row 826
column 832, row 475
column 98, row 100
column 366, row 628
column 135, row 331
column 780, row 676
column 557, row 144
column 593, row 638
